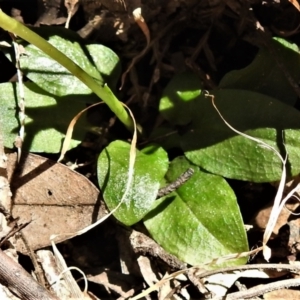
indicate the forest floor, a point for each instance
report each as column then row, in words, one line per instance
column 209, row 38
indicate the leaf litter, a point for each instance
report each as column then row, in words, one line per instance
column 232, row 5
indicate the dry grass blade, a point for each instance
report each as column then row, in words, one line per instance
column 278, row 198
column 70, row 129
column 295, row 3
column 71, row 283
column 132, row 157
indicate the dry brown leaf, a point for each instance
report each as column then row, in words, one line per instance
column 261, row 218
column 55, row 199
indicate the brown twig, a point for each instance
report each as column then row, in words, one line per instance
column 37, row 268
column 143, row 245
column 277, row 267
column 13, row 231
column 262, row 289
column 20, row 282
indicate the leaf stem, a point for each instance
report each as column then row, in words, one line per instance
column 103, row 92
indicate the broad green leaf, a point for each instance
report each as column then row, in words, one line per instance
column 266, row 73
column 150, row 167
column 97, row 60
column 211, row 145
column 107, row 63
column 47, row 118
column 200, row 221
column 178, row 96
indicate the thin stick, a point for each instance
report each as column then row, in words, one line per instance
column 277, row 267
column 20, row 282
column 262, row 289
column 20, row 139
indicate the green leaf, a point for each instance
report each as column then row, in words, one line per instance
column 47, row 117
column 211, row 145
column 200, row 221
column 107, row 63
column 265, row 74
column 97, row 60
column 150, row 167
column 176, row 102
